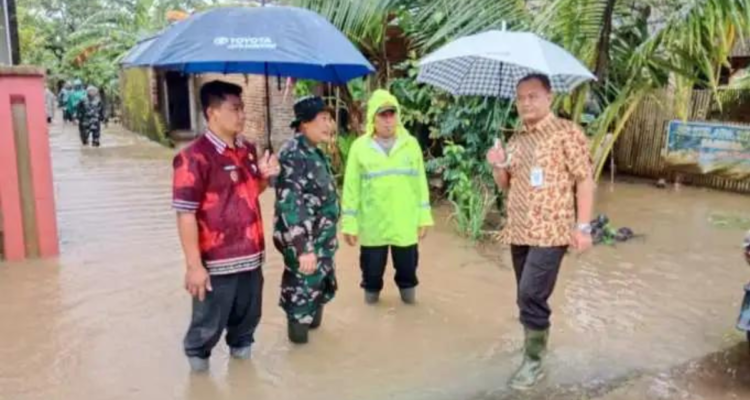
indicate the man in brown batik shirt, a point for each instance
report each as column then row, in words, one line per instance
column 547, row 175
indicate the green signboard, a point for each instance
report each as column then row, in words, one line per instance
column 711, row 148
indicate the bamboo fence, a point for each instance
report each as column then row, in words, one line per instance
column 640, row 148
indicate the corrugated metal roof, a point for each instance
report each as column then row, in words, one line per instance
column 137, row 50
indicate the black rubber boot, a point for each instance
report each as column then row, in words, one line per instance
column 298, row 332
column 372, row 297
column 409, row 296
column 318, row 318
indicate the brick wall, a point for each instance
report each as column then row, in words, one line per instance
column 253, row 93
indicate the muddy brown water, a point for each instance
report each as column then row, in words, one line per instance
column 724, row 375
column 106, row 319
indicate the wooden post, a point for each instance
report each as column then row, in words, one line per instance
column 612, row 170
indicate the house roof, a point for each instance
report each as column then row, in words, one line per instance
column 132, row 54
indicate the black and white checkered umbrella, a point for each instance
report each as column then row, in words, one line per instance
column 492, row 63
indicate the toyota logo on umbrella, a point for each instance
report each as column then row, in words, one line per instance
column 245, row 42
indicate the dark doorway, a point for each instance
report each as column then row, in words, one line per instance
column 178, row 95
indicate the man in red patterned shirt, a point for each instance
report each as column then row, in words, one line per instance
column 217, row 181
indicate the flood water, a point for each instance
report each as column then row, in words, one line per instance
column 106, row 319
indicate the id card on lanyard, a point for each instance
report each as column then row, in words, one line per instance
column 537, row 177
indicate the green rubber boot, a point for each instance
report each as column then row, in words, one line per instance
column 531, row 371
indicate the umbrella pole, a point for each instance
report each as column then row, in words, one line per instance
column 506, row 114
column 338, row 96
column 269, row 146
column 334, row 143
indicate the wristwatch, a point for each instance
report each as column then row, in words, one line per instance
column 584, row 228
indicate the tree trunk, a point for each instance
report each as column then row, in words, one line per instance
column 616, row 134
column 15, row 52
column 602, row 54
column 579, row 103
column 356, row 113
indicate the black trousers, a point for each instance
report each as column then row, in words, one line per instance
column 234, row 304
column 372, row 261
column 536, row 271
column 93, row 132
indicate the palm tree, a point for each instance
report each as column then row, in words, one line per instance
column 365, row 22
column 120, row 25
column 691, row 47
column 426, row 23
column 439, row 21
column 46, row 27
column 107, row 34
column 635, row 47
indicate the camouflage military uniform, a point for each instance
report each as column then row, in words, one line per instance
column 307, row 212
column 90, row 117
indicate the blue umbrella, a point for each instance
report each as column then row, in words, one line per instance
column 281, row 41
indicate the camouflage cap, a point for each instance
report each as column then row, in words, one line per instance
column 307, row 108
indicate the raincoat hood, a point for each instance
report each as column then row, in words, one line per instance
column 380, row 98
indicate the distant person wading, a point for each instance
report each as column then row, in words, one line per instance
column 90, row 114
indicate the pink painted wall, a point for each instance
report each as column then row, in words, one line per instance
column 26, row 85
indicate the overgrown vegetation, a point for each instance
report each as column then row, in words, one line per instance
column 634, row 47
column 471, row 195
column 460, row 131
column 84, row 39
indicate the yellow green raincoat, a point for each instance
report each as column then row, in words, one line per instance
column 386, row 199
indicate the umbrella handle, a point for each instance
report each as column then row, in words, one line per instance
column 268, row 110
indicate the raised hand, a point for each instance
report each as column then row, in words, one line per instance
column 269, row 165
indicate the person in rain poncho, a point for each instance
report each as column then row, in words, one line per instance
column 62, row 98
column 386, row 202
column 75, row 96
column 90, row 116
column 49, row 104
